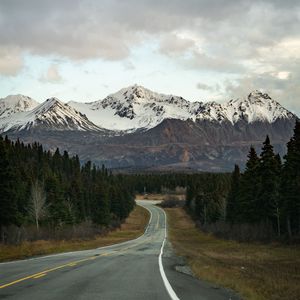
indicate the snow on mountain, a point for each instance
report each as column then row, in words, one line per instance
column 135, row 108
column 16, row 103
column 256, row 107
column 52, row 115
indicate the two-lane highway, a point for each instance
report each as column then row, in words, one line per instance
column 136, row 269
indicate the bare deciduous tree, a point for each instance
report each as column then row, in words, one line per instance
column 37, row 206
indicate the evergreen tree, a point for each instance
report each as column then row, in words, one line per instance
column 233, row 201
column 269, row 183
column 8, row 203
column 290, row 184
column 249, row 188
column 101, row 207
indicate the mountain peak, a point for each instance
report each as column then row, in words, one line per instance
column 16, row 103
column 256, row 94
column 137, row 108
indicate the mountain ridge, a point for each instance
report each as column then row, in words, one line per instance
column 137, row 108
column 151, row 131
column 51, row 115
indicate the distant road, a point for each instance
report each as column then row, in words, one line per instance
column 131, row 270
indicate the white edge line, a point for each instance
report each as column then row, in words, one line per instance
column 168, row 286
column 72, row 252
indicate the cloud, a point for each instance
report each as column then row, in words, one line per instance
column 11, row 62
column 107, row 29
column 52, row 75
column 205, row 87
column 172, row 44
column 255, row 42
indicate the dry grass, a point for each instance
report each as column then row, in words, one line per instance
column 256, row 271
column 133, row 227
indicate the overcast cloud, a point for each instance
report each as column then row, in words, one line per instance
column 255, row 43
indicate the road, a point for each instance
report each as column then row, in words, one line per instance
column 144, row 268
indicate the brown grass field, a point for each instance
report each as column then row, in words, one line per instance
column 255, row 271
column 133, row 227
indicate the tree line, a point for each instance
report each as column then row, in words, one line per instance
column 268, row 191
column 265, row 197
column 53, row 189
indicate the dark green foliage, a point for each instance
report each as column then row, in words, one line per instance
column 74, row 194
column 249, row 190
column 269, row 182
column 206, row 196
column 8, row 190
column 268, row 193
column 233, row 201
column 290, row 185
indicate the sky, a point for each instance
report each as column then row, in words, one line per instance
column 202, row 50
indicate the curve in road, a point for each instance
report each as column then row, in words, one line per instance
column 144, row 268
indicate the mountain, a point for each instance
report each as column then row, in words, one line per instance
column 14, row 104
column 136, row 108
column 137, row 129
column 51, row 115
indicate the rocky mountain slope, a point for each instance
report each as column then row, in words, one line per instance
column 53, row 114
column 136, row 129
column 136, row 108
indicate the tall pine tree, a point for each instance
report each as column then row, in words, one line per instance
column 269, row 184
column 233, row 201
column 290, row 184
column 249, row 188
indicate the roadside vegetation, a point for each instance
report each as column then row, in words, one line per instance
column 132, row 228
column 256, row 271
column 48, row 195
column 261, row 204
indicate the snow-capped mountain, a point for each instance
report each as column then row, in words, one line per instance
column 136, row 108
column 16, row 103
column 158, row 131
column 256, row 107
column 51, row 115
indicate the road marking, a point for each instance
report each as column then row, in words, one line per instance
column 37, row 275
column 168, row 286
column 43, row 273
column 81, row 251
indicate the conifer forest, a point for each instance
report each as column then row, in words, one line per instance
column 40, row 189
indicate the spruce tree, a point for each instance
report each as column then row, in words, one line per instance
column 290, row 184
column 269, row 184
column 233, row 204
column 8, row 201
column 249, row 187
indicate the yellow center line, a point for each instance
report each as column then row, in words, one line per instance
column 70, row 264
column 40, row 274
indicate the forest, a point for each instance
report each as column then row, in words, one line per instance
column 262, row 203
column 53, row 191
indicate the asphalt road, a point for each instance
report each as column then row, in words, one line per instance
column 145, row 268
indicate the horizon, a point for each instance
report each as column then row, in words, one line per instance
column 200, row 50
